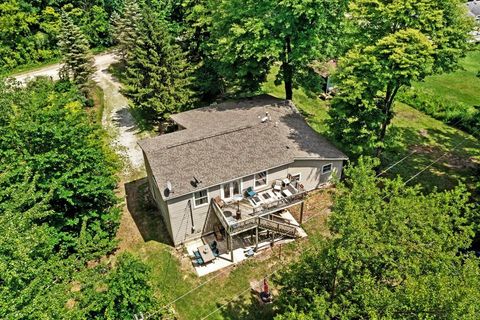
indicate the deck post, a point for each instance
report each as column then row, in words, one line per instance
column 301, row 212
column 256, row 239
column 231, row 247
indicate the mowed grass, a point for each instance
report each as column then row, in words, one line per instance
column 462, row 85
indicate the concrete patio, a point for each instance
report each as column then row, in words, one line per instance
column 241, row 243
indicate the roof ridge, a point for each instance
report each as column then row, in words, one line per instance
column 217, row 134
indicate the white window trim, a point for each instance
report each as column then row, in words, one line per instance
column 222, row 192
column 329, row 171
column 255, row 187
column 201, row 205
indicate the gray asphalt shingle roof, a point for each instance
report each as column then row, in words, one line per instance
column 227, row 141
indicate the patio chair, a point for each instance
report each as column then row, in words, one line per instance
column 213, row 245
column 250, row 192
column 219, row 201
column 277, row 185
column 197, row 255
column 249, row 252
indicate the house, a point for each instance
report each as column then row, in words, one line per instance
column 231, row 166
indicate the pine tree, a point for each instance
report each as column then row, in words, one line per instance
column 158, row 74
column 78, row 62
column 125, row 28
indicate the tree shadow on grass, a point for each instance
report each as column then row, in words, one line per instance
column 250, row 308
column 455, row 156
column 144, row 212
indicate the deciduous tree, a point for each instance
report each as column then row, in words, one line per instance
column 250, row 36
column 397, row 43
column 394, row 253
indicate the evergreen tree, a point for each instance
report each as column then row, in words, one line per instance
column 125, row 29
column 78, row 62
column 157, row 74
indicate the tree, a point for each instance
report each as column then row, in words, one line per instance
column 401, row 43
column 125, row 28
column 78, row 62
column 44, row 131
column 157, row 74
column 251, row 36
column 394, row 253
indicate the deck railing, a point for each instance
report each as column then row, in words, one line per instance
column 265, row 209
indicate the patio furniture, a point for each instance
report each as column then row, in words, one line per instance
column 219, row 201
column 250, row 192
column 249, row 252
column 213, row 245
column 287, row 193
column 277, row 185
column 206, row 253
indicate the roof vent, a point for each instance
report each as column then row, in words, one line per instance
column 169, row 187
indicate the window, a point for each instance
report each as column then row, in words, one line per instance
column 200, row 198
column 235, row 188
column 231, row 189
column 327, row 168
column 226, row 191
column 260, row 179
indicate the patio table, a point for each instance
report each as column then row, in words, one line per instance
column 206, row 253
column 287, row 193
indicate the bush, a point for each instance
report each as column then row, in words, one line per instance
column 451, row 112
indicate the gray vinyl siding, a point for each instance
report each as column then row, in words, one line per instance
column 181, row 220
column 311, row 172
column 161, row 204
column 176, row 212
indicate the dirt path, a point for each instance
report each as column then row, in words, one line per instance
column 117, row 118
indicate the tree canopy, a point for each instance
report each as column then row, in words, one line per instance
column 158, row 76
column 249, row 37
column 394, row 253
column 396, row 43
column 58, row 211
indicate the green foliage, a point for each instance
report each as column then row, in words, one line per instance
column 125, row 28
column 119, row 293
column 77, row 61
column 394, row 253
column 401, row 43
column 157, row 73
column 447, row 110
column 45, row 132
column 57, row 211
column 30, row 29
column 250, row 36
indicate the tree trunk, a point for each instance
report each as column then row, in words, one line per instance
column 387, row 111
column 287, row 70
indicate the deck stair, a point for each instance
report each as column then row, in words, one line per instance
column 278, row 227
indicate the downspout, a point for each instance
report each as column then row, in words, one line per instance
column 191, row 215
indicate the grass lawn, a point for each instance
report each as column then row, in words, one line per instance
column 462, row 85
column 173, row 275
column 412, row 130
